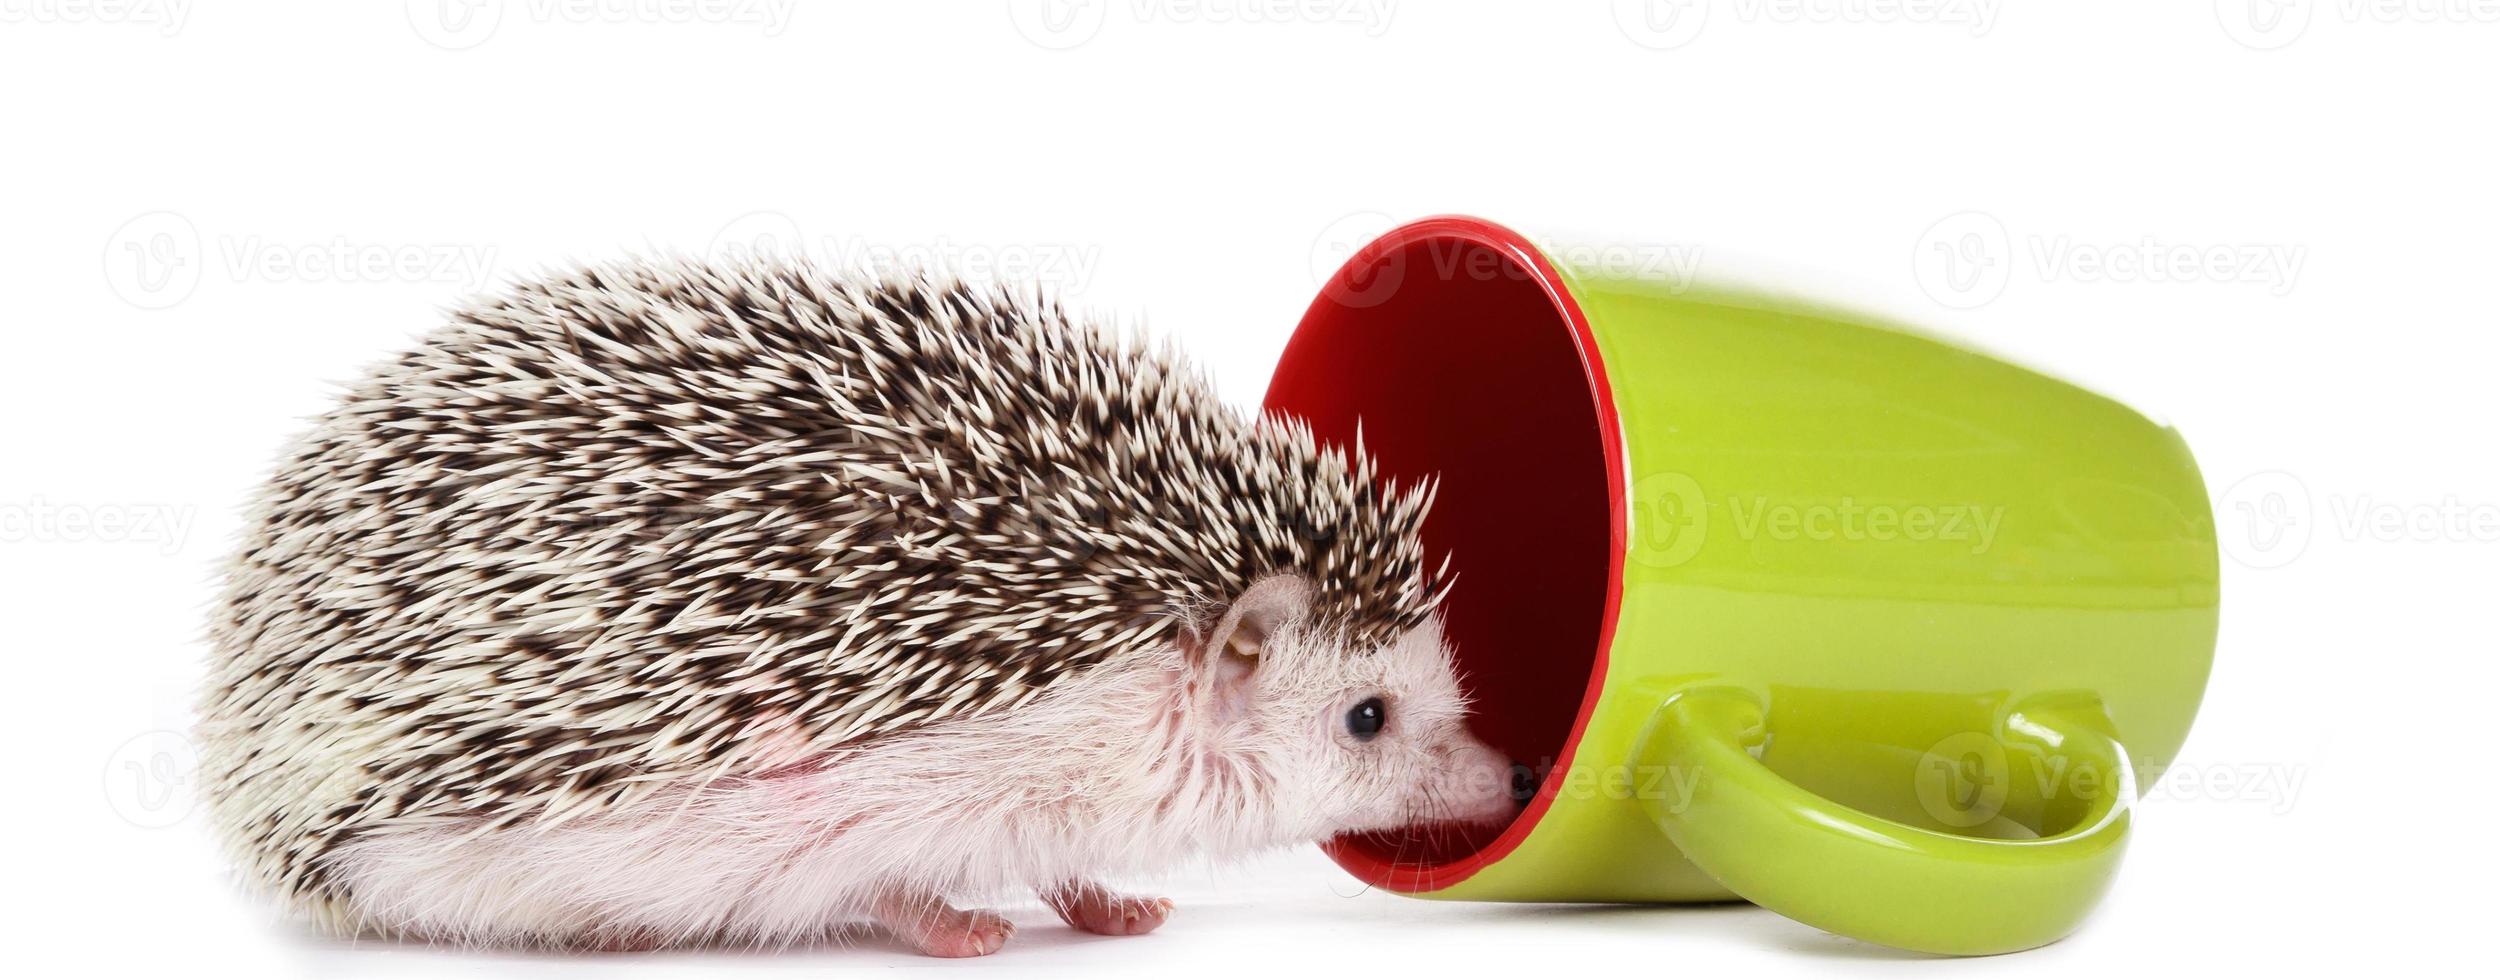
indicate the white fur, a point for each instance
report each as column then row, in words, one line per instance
column 1134, row 767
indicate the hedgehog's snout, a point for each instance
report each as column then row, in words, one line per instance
column 1481, row 785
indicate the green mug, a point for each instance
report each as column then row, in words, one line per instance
column 1778, row 602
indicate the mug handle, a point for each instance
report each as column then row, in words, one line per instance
column 1866, row 877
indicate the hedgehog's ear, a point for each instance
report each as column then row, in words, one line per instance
column 1228, row 654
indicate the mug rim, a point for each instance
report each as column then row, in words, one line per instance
column 1524, row 256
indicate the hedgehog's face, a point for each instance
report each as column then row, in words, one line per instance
column 1357, row 739
column 1387, row 742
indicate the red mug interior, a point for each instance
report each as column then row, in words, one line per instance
column 1461, row 354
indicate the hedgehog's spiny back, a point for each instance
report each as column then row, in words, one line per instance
column 571, row 548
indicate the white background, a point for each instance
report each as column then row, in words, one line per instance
column 213, row 210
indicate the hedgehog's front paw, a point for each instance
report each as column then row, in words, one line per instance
column 979, row 932
column 938, row 929
column 1097, row 910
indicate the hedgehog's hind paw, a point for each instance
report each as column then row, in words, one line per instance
column 1100, row 911
column 938, row 929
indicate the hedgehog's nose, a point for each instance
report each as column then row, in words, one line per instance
column 1522, row 782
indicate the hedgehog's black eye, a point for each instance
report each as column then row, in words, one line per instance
column 1366, row 719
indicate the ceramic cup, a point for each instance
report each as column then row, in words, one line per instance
column 1780, row 602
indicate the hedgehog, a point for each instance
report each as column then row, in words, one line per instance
column 667, row 603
